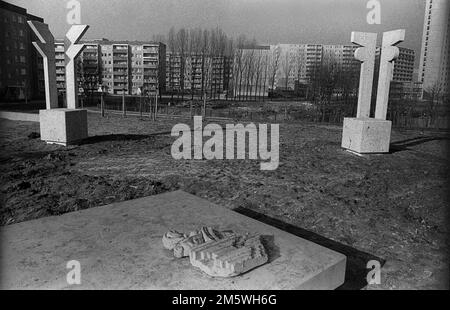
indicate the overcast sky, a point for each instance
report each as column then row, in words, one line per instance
column 269, row 21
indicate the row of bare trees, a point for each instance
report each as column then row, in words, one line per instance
column 197, row 43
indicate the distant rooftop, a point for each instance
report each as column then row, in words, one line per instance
column 110, row 42
column 19, row 10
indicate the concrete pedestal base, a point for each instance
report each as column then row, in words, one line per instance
column 366, row 135
column 63, row 126
column 119, row 247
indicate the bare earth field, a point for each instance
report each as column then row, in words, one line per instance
column 393, row 207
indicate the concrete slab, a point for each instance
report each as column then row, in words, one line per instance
column 119, row 247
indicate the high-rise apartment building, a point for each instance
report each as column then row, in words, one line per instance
column 301, row 63
column 196, row 72
column 434, row 58
column 21, row 67
column 119, row 66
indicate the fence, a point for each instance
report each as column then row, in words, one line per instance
column 402, row 114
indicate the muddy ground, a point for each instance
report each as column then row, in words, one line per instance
column 392, row 207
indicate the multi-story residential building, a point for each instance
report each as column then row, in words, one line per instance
column 301, row 63
column 404, row 66
column 403, row 85
column 196, row 72
column 193, row 73
column 89, row 66
column 174, row 74
column 21, row 68
column 434, row 58
column 119, row 66
column 60, row 63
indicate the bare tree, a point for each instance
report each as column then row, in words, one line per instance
column 274, row 66
column 286, row 65
column 434, row 95
column 182, row 39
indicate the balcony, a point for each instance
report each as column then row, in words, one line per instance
column 150, row 55
column 151, row 65
column 120, row 65
column 90, row 64
column 120, row 50
column 123, row 57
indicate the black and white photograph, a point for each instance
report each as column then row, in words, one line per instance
column 224, row 152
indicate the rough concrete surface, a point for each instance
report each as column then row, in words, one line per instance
column 119, row 247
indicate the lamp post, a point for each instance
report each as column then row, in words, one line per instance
column 124, row 110
column 139, row 92
column 81, row 91
column 156, row 103
column 101, row 90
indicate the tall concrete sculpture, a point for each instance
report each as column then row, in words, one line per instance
column 73, row 49
column 64, row 126
column 46, row 48
column 389, row 52
column 365, row 54
column 363, row 134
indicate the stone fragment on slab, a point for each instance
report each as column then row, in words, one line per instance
column 366, row 135
column 63, row 126
column 181, row 244
column 229, row 257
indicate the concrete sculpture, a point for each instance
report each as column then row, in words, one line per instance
column 61, row 126
column 365, row 135
column 46, row 48
column 218, row 254
column 73, row 49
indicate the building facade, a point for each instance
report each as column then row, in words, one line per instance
column 119, row 66
column 21, row 67
column 301, row 63
column 434, row 58
column 196, row 73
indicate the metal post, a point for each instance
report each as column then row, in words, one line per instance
column 102, row 104
column 204, row 106
column 124, row 111
column 140, row 105
column 156, row 105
